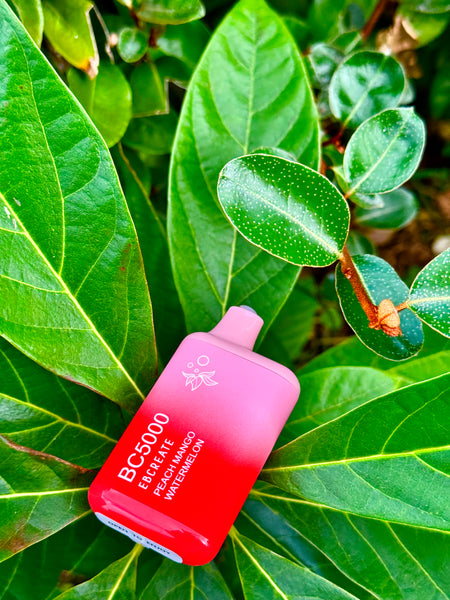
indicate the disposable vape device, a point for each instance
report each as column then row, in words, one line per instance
column 183, row 468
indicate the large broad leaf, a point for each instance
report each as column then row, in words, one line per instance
column 249, row 90
column 381, row 282
column 429, row 296
column 116, row 582
column 44, row 412
column 168, row 316
column 364, row 462
column 76, row 553
column 169, row 11
column 386, row 559
column 384, row 151
column 32, row 17
column 270, row 529
column 328, row 393
column 185, row 42
column 265, row 574
column 363, row 85
column 285, row 208
column 72, row 286
column 428, row 6
column 67, row 25
column 39, row 494
column 172, row 582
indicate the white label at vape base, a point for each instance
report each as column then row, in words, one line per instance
column 140, row 539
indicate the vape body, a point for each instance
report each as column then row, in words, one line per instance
column 179, row 475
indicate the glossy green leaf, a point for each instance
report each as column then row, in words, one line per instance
column 150, row 227
column 116, row 582
column 73, row 291
column 265, row 574
column 285, row 208
column 386, row 559
column 325, row 17
column 363, row 200
column 221, row 120
column 328, row 393
column 151, row 135
column 421, row 369
column 363, row 85
column 39, row 494
column 185, row 42
column 44, row 412
column 380, row 281
column 172, row 582
column 111, row 119
column 424, row 27
column 270, row 529
column 429, row 296
column 70, row 556
column 364, row 462
column 359, row 244
column 171, row 12
column 427, row 6
column 275, row 152
column 67, row 25
column 384, row 151
column 32, row 17
column 132, row 44
column 400, row 208
column 324, row 60
column 149, row 91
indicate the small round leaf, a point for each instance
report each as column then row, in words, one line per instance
column 132, row 44
column 380, row 281
column 384, row 151
column 363, row 85
column 285, row 208
column 429, row 297
column 399, row 208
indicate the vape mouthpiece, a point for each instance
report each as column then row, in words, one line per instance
column 240, row 325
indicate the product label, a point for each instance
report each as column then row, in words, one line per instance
column 140, row 539
column 160, row 460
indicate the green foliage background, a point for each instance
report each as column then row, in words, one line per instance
column 117, row 122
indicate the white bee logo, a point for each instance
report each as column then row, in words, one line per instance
column 196, row 378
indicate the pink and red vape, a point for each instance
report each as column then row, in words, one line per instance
column 179, row 475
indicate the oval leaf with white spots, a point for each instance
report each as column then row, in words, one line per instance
column 429, row 297
column 380, row 281
column 384, row 151
column 285, row 208
column 363, row 85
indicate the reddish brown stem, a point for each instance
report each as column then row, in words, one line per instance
column 349, row 271
column 373, row 19
column 401, row 306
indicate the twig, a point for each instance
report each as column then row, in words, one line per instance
column 349, row 271
column 373, row 19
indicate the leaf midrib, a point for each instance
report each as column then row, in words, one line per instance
column 371, row 457
column 56, row 417
column 73, row 299
column 288, row 215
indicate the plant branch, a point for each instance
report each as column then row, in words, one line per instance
column 350, row 272
column 384, row 316
column 373, row 19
